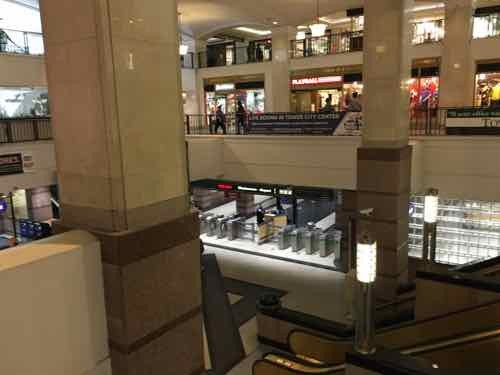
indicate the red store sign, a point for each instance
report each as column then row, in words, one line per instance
column 316, row 81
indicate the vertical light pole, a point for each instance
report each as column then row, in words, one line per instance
column 431, row 202
column 366, row 270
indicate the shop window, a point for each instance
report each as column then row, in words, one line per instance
column 467, row 230
column 427, row 32
column 23, row 102
column 486, row 26
column 487, row 89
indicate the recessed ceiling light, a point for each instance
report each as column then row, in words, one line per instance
column 254, row 31
column 276, row 23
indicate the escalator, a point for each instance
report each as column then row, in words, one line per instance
column 400, row 337
column 477, row 350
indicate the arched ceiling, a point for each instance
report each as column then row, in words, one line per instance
column 201, row 17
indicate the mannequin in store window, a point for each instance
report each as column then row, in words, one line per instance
column 495, row 95
column 354, row 104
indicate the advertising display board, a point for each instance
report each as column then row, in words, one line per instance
column 337, row 123
column 473, row 121
column 11, row 164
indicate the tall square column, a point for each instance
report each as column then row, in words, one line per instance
column 384, row 168
column 114, row 79
column 457, row 65
column 278, row 81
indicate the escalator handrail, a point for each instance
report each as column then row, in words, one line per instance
column 297, row 365
column 477, row 265
column 330, row 327
column 479, row 282
column 340, row 340
column 300, row 366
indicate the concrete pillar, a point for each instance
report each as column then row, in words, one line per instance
column 115, row 85
column 384, row 158
column 457, row 65
column 278, row 81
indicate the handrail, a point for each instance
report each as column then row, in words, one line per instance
column 331, row 44
column 25, row 44
column 396, row 362
column 25, row 129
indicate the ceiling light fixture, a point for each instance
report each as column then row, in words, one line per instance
column 276, row 23
column 317, row 29
column 254, row 31
column 183, row 49
column 301, row 35
column 427, row 7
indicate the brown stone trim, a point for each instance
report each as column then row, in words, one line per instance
column 131, row 348
column 123, row 248
column 385, row 154
column 199, row 371
column 394, row 275
column 110, row 220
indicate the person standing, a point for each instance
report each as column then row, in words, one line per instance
column 354, row 104
column 328, row 108
column 241, row 118
column 220, row 120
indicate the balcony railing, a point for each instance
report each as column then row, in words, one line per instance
column 328, row 44
column 25, row 129
column 21, row 42
column 427, row 32
column 234, row 56
column 423, row 122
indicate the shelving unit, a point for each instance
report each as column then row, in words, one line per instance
column 467, row 230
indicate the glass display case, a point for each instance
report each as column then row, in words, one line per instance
column 466, row 230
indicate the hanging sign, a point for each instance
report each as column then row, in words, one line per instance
column 473, row 121
column 337, row 123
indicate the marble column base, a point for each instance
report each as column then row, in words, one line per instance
column 384, row 182
column 152, row 283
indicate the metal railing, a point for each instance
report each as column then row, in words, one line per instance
column 427, row 32
column 21, row 42
column 234, row 56
column 25, row 129
column 327, row 45
column 423, row 122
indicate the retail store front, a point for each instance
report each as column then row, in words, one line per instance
column 226, row 92
column 311, row 90
column 291, row 223
column 487, row 92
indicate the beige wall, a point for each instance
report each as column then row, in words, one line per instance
column 460, row 167
column 52, row 318
column 22, row 70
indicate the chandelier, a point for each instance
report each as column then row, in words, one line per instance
column 318, row 28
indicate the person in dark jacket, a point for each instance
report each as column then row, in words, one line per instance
column 241, row 118
column 260, row 215
column 220, row 120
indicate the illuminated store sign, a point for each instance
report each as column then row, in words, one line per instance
column 224, row 187
column 244, row 188
column 266, row 191
column 316, row 81
column 225, row 87
column 286, row 192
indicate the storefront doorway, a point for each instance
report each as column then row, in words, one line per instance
column 227, row 95
column 310, row 94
